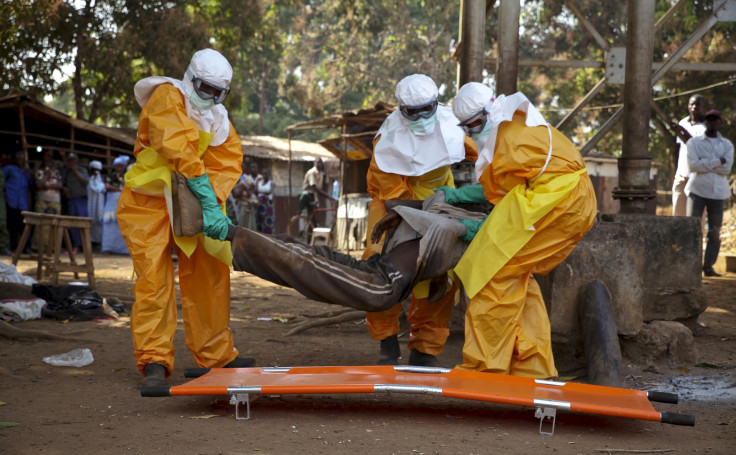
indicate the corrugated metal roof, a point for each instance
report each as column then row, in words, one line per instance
column 276, row 148
column 372, row 118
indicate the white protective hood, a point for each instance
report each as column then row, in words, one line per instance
column 401, row 151
column 471, row 99
column 502, row 110
column 209, row 65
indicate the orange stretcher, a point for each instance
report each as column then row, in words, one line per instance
column 544, row 395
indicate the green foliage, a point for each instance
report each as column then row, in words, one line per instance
column 350, row 54
column 296, row 60
column 36, row 40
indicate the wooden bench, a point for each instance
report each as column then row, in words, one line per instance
column 50, row 258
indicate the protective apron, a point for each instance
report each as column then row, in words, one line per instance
column 168, row 139
column 406, row 171
column 538, row 218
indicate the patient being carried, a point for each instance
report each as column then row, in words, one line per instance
column 422, row 244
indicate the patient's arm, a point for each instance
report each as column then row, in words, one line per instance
column 404, row 202
column 391, row 220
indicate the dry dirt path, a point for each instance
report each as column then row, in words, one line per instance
column 61, row 410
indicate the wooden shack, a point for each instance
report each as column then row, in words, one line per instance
column 287, row 161
column 33, row 128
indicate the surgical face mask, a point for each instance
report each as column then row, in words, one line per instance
column 483, row 134
column 481, row 137
column 200, row 104
column 422, row 125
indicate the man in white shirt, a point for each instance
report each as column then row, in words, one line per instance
column 710, row 158
column 690, row 126
column 313, row 186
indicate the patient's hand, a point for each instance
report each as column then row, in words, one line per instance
column 386, row 224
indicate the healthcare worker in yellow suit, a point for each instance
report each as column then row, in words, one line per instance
column 543, row 205
column 183, row 127
column 413, row 151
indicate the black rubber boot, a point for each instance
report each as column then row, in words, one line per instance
column 390, row 351
column 420, row 359
column 241, row 362
column 154, row 375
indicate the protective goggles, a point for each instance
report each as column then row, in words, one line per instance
column 208, row 91
column 476, row 123
column 425, row 111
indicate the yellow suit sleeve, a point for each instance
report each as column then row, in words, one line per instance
column 224, row 165
column 471, row 151
column 165, row 127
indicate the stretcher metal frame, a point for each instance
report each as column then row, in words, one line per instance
column 243, row 385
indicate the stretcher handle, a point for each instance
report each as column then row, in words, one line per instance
column 663, row 397
column 677, row 419
column 156, row 391
column 195, row 372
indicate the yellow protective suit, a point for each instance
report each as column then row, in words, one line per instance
column 428, row 321
column 204, row 281
column 507, row 328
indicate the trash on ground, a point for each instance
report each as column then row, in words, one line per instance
column 21, row 309
column 73, row 358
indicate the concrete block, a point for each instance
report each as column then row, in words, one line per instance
column 660, row 340
column 650, row 264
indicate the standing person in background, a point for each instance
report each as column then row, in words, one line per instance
column 413, row 151
column 690, row 126
column 18, row 184
column 96, row 200
column 710, row 158
column 75, row 181
column 264, row 214
column 112, row 240
column 314, row 185
column 183, row 127
column 48, row 195
column 4, row 235
column 246, row 199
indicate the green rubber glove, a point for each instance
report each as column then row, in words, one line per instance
column 215, row 222
column 468, row 194
column 472, row 228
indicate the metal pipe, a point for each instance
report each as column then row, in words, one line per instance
column 633, row 166
column 507, row 66
column 472, row 33
column 638, row 82
column 600, row 337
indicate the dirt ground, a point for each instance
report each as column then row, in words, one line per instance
column 98, row 408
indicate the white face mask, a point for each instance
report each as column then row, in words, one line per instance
column 422, row 125
column 481, row 137
column 200, row 104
